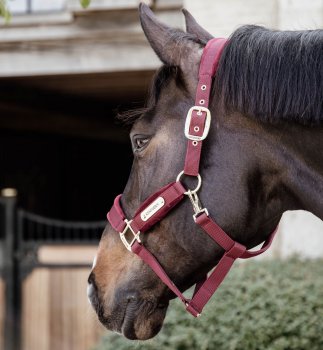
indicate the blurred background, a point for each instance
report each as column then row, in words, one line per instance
column 65, row 72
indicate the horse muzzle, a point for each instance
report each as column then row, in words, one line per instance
column 135, row 317
column 142, row 319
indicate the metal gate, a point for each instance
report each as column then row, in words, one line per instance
column 32, row 246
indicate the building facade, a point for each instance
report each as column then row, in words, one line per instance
column 65, row 72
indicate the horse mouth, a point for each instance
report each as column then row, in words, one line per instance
column 136, row 322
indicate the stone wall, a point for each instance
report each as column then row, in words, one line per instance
column 107, row 37
column 222, row 17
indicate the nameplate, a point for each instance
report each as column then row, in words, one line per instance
column 152, row 209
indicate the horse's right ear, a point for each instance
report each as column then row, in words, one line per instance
column 193, row 27
column 171, row 45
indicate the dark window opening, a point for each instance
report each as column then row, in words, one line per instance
column 63, row 177
column 60, row 144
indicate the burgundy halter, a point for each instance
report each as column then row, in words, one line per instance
column 156, row 207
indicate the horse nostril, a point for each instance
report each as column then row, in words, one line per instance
column 91, row 280
column 131, row 297
column 92, row 290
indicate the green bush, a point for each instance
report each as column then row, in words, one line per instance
column 271, row 305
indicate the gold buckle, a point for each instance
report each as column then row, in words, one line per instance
column 199, row 110
column 135, row 238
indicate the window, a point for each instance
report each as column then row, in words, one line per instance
column 36, row 6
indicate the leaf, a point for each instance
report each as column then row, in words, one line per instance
column 4, row 11
column 85, row 3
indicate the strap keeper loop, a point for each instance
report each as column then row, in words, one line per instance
column 236, row 251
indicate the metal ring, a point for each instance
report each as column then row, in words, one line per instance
column 202, row 102
column 194, row 143
column 203, row 87
column 196, row 128
column 199, row 183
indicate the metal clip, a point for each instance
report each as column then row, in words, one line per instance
column 197, row 206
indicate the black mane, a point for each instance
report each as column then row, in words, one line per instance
column 273, row 75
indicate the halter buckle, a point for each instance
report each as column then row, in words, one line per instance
column 136, row 236
column 207, row 124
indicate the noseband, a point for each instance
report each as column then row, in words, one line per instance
column 156, row 207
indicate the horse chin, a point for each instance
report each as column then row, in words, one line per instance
column 136, row 322
column 143, row 324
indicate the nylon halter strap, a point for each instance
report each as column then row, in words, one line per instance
column 156, row 207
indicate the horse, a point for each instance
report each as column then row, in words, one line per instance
column 262, row 157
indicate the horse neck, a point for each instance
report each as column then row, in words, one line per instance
column 293, row 153
column 285, row 170
column 303, row 161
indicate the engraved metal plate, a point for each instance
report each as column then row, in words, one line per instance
column 152, row 208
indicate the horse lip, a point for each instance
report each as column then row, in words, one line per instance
column 127, row 329
column 127, row 324
column 112, row 324
column 123, row 319
column 129, row 318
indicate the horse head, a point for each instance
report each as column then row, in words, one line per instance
column 243, row 185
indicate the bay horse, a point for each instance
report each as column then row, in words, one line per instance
column 262, row 157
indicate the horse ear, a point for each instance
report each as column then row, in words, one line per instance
column 193, row 27
column 171, row 45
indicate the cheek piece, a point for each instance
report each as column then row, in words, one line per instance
column 156, row 207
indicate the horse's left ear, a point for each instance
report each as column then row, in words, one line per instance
column 193, row 27
column 172, row 46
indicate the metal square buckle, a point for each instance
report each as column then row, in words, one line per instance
column 136, row 237
column 207, row 124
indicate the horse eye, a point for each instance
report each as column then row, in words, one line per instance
column 140, row 142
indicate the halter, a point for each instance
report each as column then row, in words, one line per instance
column 156, row 207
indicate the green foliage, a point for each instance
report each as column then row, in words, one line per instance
column 85, row 3
column 4, row 11
column 272, row 305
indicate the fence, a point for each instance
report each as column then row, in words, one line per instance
column 44, row 264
